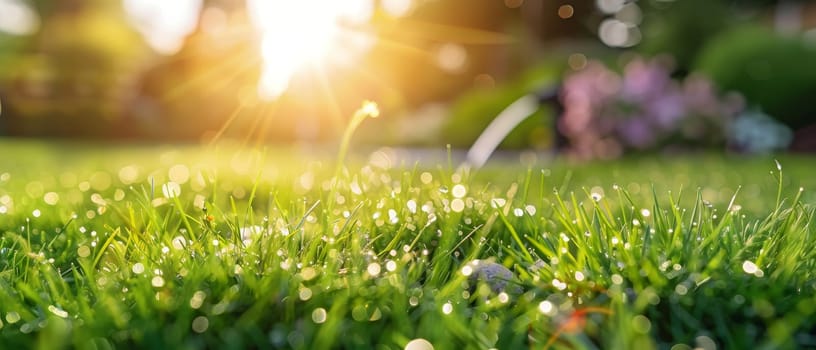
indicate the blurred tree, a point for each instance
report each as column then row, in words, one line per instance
column 70, row 73
column 194, row 92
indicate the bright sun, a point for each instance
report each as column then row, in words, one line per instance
column 303, row 33
column 294, row 34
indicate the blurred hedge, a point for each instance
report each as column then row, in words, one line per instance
column 775, row 73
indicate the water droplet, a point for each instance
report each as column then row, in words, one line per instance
column 373, row 269
column 681, row 289
column 51, row 198
column 419, row 344
column 171, row 190
column 457, row 205
column 178, row 242
column 504, row 298
column 426, row 178
column 157, row 282
column 617, row 279
column 198, row 299
column 558, row 284
column 749, row 267
column 57, row 311
column 498, row 202
column 641, row 324
column 391, row 265
column 319, row 315
column 579, row 276
column 138, row 268
column 459, row 191
column 12, row 317
column 200, row 324
column 305, row 293
column 308, row 273
column 531, row 210
column 83, row 251
column 546, row 307
column 447, row 308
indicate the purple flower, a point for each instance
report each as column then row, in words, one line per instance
column 642, row 109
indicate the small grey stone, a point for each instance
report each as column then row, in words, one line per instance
column 496, row 276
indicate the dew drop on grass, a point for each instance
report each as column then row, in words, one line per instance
column 57, row 311
column 681, row 289
column 36, row 213
column 157, row 282
column 617, row 279
column 457, row 205
column 12, row 317
column 459, row 191
column 498, row 202
column 426, row 178
column 412, row 206
column 171, row 189
column 546, row 307
column 641, row 324
column 419, row 344
column 414, row 301
column 503, row 298
column 305, row 293
column 138, row 268
column 391, row 265
column 319, row 315
column 558, row 284
column 579, row 276
column 200, row 324
column 178, row 243
column 749, row 267
column 83, row 251
column 197, row 300
column 531, row 210
column 51, row 198
column 518, row 212
column 374, row 269
column 447, row 308
column 308, row 273
column 645, row 212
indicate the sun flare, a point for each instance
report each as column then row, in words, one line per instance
column 299, row 34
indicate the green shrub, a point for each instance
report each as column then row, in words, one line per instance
column 773, row 72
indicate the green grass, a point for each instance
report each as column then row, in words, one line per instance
column 264, row 249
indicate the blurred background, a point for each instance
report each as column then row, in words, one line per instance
column 614, row 76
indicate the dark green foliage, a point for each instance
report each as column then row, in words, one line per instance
column 773, row 72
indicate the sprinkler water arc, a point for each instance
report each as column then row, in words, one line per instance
column 509, row 119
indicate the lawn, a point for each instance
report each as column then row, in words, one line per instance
column 184, row 247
